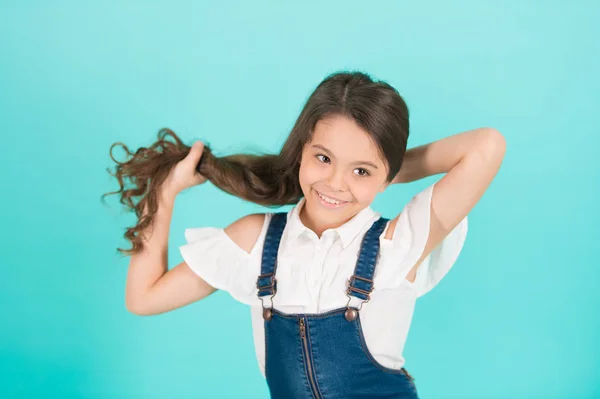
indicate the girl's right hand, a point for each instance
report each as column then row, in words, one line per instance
column 184, row 174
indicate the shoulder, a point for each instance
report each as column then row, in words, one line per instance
column 391, row 227
column 408, row 251
column 246, row 231
column 229, row 258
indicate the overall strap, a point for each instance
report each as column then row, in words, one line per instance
column 360, row 284
column 266, row 282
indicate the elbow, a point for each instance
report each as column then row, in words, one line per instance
column 492, row 143
column 138, row 311
column 135, row 306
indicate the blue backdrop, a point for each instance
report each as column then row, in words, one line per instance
column 517, row 317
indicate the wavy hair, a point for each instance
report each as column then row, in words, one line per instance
column 266, row 179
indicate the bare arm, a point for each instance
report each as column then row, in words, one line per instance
column 470, row 160
column 151, row 287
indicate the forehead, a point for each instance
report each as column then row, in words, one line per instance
column 346, row 140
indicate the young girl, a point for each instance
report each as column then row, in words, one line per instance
column 332, row 284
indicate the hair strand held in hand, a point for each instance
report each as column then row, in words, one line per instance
column 266, row 179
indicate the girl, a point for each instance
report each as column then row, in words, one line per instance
column 332, row 285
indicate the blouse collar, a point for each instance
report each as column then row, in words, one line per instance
column 347, row 232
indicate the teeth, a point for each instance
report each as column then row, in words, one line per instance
column 327, row 199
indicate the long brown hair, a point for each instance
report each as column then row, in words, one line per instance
column 267, row 179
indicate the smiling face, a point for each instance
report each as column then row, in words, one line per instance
column 341, row 172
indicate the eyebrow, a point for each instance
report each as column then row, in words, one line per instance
column 319, row 146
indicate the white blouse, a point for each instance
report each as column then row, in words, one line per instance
column 312, row 273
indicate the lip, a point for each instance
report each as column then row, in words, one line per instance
column 327, row 204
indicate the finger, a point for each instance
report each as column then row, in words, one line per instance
column 196, row 151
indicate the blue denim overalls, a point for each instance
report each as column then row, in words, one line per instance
column 324, row 356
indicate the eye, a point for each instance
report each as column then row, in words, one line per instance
column 324, row 156
column 366, row 172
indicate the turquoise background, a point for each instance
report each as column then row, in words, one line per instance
column 517, row 317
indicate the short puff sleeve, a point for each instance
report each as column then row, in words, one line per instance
column 411, row 232
column 219, row 261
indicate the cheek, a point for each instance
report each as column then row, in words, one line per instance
column 310, row 174
column 302, row 175
column 363, row 195
column 365, row 192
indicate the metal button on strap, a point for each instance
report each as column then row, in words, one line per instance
column 267, row 314
column 351, row 314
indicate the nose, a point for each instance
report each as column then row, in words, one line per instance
column 336, row 180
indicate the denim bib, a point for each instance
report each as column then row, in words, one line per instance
column 324, row 355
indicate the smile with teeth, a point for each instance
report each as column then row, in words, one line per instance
column 330, row 201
